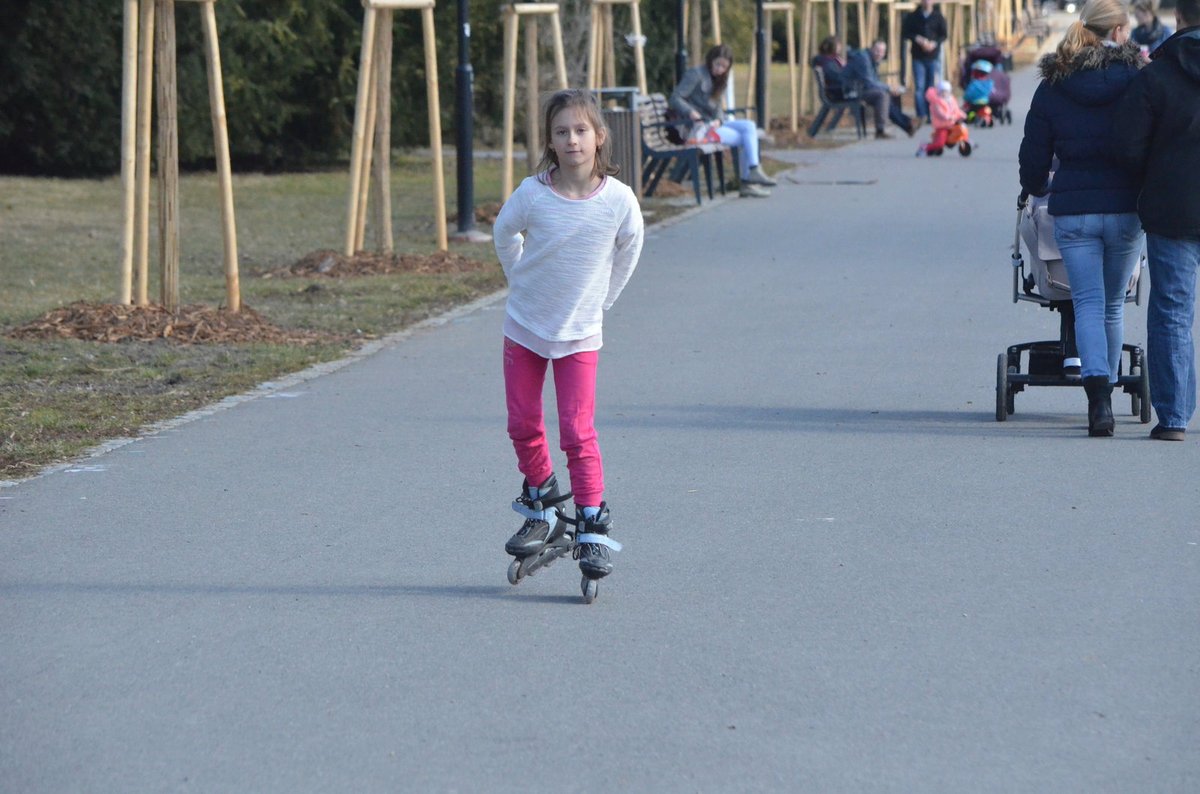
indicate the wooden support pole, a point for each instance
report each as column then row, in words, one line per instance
column 435, row 128
column 532, row 91
column 129, row 62
column 789, row 10
column 610, row 48
column 593, row 59
column 510, row 97
column 602, row 66
column 166, row 96
column 357, row 141
column 368, row 148
column 145, row 101
column 694, row 33
column 793, row 66
column 560, row 56
column 513, row 16
column 382, row 184
column 639, row 54
column 806, row 37
column 216, row 96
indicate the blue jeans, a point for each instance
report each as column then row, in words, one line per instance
column 743, row 134
column 1099, row 252
column 1170, row 351
column 925, row 74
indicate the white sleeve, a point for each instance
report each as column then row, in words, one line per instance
column 508, row 233
column 628, row 249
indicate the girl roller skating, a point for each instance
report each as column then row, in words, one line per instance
column 568, row 239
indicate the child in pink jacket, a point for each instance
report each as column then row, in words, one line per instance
column 947, row 116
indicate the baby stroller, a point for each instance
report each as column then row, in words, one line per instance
column 1056, row 362
column 1001, row 63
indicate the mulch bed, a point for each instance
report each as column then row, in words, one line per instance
column 366, row 263
column 193, row 324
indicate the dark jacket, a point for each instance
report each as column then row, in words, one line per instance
column 837, row 86
column 1151, row 36
column 861, row 71
column 694, row 92
column 932, row 27
column 1158, row 136
column 1071, row 117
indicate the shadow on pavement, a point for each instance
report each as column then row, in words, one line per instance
column 25, row 589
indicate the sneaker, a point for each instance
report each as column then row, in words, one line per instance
column 748, row 190
column 882, row 135
column 914, row 125
column 758, row 177
column 1160, row 433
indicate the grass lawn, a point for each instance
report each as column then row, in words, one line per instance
column 60, row 243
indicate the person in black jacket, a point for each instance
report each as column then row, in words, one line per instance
column 926, row 29
column 1158, row 135
column 1093, row 198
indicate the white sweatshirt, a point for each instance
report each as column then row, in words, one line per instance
column 567, row 260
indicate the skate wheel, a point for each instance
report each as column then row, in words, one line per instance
column 515, row 574
column 589, row 587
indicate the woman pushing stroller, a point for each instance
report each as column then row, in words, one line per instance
column 1092, row 198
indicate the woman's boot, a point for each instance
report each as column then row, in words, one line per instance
column 1100, row 415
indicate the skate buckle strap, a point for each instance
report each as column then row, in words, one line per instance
column 596, row 537
column 537, row 508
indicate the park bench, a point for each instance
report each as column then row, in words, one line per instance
column 837, row 107
column 659, row 152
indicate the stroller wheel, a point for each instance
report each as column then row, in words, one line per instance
column 1002, row 396
column 964, row 148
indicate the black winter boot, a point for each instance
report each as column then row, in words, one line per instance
column 1100, row 415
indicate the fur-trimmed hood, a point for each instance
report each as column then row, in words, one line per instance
column 1095, row 76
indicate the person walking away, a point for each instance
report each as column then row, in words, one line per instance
column 862, row 68
column 925, row 28
column 1093, row 198
column 695, row 99
column 1157, row 132
column 1150, row 32
column 568, row 239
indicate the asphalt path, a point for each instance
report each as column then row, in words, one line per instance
column 840, row 572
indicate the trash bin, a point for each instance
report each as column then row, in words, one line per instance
column 619, row 107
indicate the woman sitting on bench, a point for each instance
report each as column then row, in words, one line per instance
column 695, row 100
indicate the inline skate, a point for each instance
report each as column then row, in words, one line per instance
column 592, row 548
column 544, row 536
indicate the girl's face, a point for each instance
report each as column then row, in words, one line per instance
column 719, row 67
column 573, row 139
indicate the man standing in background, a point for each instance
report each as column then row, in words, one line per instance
column 926, row 29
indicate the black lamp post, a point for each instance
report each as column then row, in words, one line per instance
column 681, row 53
column 760, row 76
column 464, row 113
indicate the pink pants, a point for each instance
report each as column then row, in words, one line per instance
column 575, row 389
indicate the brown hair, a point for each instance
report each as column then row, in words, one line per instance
column 584, row 100
column 1096, row 22
column 715, row 52
column 828, row 46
